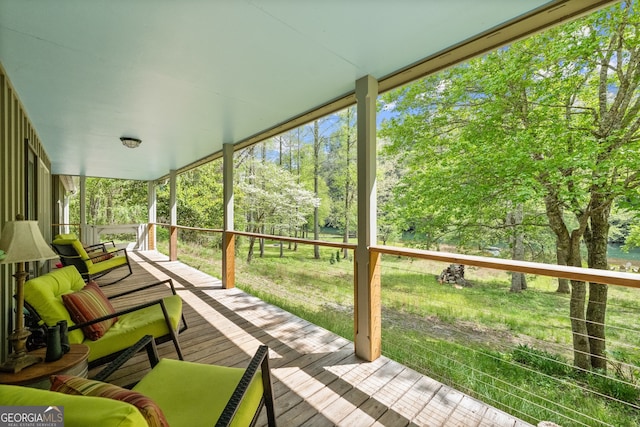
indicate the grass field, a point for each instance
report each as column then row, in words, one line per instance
column 510, row 350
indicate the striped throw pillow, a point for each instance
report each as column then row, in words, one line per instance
column 88, row 304
column 84, row 387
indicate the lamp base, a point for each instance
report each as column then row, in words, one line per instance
column 15, row 363
column 19, row 359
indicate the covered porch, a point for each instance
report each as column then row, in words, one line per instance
column 69, row 92
column 318, row 380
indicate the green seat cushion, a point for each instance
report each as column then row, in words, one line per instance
column 44, row 294
column 79, row 411
column 194, row 394
column 131, row 327
column 79, row 386
column 113, row 262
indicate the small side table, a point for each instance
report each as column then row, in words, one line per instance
column 37, row 376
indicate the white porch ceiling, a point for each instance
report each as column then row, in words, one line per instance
column 187, row 76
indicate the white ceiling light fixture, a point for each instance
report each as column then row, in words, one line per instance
column 130, row 142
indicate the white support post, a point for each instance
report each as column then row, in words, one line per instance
column 85, row 236
column 152, row 216
column 65, row 214
column 173, row 209
column 228, row 238
column 368, row 312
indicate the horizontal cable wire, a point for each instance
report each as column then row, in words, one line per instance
column 561, row 347
column 512, row 386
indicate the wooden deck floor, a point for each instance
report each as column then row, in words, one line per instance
column 318, row 381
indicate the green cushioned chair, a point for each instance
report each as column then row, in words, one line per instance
column 93, row 261
column 194, row 394
column 188, row 394
column 79, row 411
column 161, row 318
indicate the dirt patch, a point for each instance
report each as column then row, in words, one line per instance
column 462, row 332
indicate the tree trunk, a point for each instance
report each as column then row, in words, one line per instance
column 261, row 244
column 252, row 240
column 562, row 254
column 596, row 241
column 568, row 251
column 581, row 349
column 514, row 218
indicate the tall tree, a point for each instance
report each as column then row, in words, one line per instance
column 340, row 173
column 548, row 121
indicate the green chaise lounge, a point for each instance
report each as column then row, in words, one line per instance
column 93, row 261
column 95, row 327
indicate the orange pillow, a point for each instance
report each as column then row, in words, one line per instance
column 84, row 387
column 88, row 304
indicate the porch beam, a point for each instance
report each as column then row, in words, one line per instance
column 368, row 312
column 228, row 238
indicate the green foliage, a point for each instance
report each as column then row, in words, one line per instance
column 531, row 123
column 541, row 360
column 339, row 171
column 614, row 387
column 556, row 366
column 111, row 201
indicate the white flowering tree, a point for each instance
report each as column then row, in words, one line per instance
column 273, row 200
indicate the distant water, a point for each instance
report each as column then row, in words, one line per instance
column 614, row 251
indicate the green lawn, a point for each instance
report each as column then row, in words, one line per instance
column 510, row 350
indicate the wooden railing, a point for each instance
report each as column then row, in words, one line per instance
column 608, row 277
column 553, row 270
column 323, row 243
column 173, row 242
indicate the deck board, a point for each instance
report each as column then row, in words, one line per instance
column 318, row 380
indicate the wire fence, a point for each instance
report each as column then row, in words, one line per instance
column 511, row 350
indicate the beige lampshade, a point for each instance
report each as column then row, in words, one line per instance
column 22, row 242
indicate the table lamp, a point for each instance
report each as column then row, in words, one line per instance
column 21, row 242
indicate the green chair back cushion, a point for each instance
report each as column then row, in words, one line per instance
column 177, row 387
column 79, row 411
column 77, row 245
column 44, row 294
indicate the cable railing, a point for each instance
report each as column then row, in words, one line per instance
column 511, row 350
